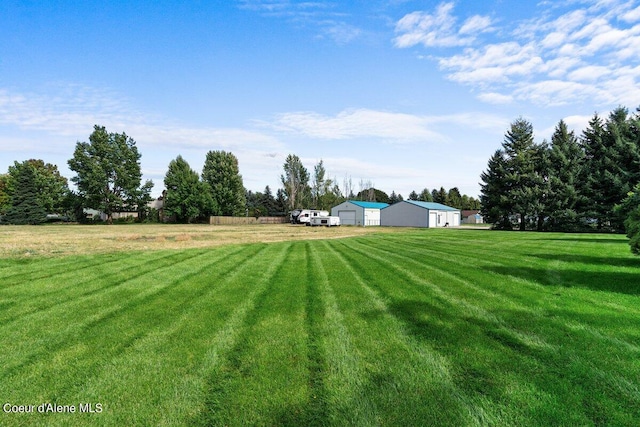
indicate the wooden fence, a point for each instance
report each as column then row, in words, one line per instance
column 246, row 220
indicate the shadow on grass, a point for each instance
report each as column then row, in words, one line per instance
column 619, row 282
column 456, row 336
column 587, row 240
column 595, row 260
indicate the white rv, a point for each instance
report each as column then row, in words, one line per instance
column 327, row 221
column 306, row 214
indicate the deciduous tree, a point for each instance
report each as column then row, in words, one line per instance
column 108, row 172
column 222, row 173
column 5, row 196
column 296, row 182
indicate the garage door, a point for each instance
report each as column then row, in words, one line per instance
column 347, row 217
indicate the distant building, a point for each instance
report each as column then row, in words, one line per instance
column 471, row 217
column 356, row 212
column 411, row 213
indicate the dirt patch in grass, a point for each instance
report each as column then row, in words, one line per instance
column 60, row 240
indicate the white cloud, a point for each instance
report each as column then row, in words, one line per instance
column 559, row 59
column 631, row 15
column 435, row 29
column 71, row 111
column 384, row 126
column 555, row 92
column 358, row 123
column 589, row 73
column 577, row 123
column 476, row 24
column 495, row 98
column 553, row 40
column 340, row 32
column 324, row 17
column 493, row 63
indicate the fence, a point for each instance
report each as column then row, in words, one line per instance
column 246, row 220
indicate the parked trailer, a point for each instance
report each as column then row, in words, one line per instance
column 327, row 221
column 293, row 216
column 306, row 214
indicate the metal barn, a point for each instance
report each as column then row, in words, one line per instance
column 355, row 212
column 411, row 213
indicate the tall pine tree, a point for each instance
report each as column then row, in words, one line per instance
column 26, row 205
column 598, row 175
column 564, row 164
column 494, row 200
column 523, row 178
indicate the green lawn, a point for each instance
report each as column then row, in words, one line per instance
column 420, row 327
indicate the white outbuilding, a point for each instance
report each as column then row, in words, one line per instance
column 411, row 213
column 355, row 212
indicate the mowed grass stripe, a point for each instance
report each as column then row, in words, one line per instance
column 70, row 287
column 265, row 377
column 520, row 334
column 406, row 381
column 161, row 379
column 44, row 331
column 315, row 308
column 22, row 272
column 531, row 299
column 341, row 373
column 87, row 322
column 458, row 337
column 475, row 265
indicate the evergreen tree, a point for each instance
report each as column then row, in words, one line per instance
column 633, row 162
column 494, row 199
column 254, row 204
column 413, row 196
column 53, row 188
column 470, row 203
column 269, row 202
column 620, row 138
column 281, row 202
column 222, row 173
column 26, row 205
column 441, row 196
column 186, row 198
column 630, row 210
column 598, row 175
column 454, row 198
column 393, row 198
column 523, row 180
column 564, row 162
column 425, row 196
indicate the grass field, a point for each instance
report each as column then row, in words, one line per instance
column 402, row 327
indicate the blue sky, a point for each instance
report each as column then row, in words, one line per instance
column 403, row 94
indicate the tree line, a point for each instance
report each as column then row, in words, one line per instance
column 572, row 183
column 108, row 179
